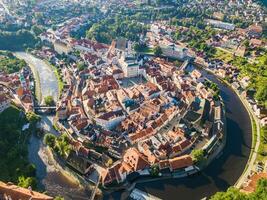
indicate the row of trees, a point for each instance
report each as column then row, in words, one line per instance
column 61, row 145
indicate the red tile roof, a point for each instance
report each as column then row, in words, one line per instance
column 181, row 162
column 251, row 187
column 19, row 193
column 185, row 143
column 164, row 164
column 135, row 159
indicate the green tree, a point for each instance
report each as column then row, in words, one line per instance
column 63, row 147
column 177, row 63
column 81, row 66
column 154, row 171
column 261, row 94
column 49, row 101
column 13, row 147
column 10, row 64
column 158, row 51
column 31, row 170
column 50, row 140
column 54, row 27
column 139, row 47
column 19, row 40
column 32, row 117
column 27, row 182
column 37, row 30
column 198, row 156
column 261, row 190
column 232, row 193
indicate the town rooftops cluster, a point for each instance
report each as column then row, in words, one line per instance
column 9, row 191
column 17, row 87
column 139, row 112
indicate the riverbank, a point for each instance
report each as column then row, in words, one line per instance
column 228, row 166
column 255, row 133
column 59, row 80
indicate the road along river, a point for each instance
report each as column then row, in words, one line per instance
column 222, row 172
column 51, row 179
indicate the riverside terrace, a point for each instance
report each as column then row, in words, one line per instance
column 119, row 130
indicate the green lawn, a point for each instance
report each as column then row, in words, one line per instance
column 223, row 55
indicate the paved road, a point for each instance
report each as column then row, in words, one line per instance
column 253, row 156
column 254, row 152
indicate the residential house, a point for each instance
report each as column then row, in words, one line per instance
column 4, row 102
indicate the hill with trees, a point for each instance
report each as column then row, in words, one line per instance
column 18, row 40
column 14, row 163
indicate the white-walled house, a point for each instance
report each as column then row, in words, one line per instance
column 110, row 120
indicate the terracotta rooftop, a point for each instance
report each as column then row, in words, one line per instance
column 181, row 162
column 164, row 164
column 135, row 159
column 252, row 184
column 19, row 193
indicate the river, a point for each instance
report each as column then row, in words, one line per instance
column 218, row 176
column 222, row 172
column 50, row 179
column 48, row 80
